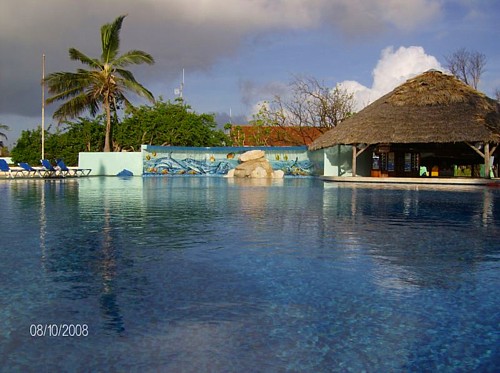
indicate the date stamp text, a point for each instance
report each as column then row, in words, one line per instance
column 59, row 330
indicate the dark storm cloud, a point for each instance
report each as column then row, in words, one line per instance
column 252, row 92
column 179, row 34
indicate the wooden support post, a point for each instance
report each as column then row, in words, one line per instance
column 487, row 160
column 475, row 149
column 492, row 150
column 355, row 154
column 354, row 157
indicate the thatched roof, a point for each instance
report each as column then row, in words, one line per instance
column 430, row 108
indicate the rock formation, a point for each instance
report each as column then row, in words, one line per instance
column 255, row 165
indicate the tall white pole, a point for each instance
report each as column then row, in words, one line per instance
column 43, row 106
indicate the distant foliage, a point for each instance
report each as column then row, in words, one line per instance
column 309, row 103
column 167, row 123
column 28, row 147
column 164, row 123
column 65, row 143
column 4, row 151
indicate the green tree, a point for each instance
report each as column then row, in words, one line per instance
column 83, row 135
column 28, row 147
column 89, row 132
column 167, row 123
column 104, row 85
column 65, row 143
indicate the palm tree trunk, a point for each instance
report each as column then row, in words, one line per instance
column 107, row 139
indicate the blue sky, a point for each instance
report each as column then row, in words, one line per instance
column 238, row 53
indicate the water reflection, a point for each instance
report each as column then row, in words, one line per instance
column 416, row 236
column 184, row 274
column 108, row 271
column 78, row 249
column 409, row 232
column 488, row 206
column 43, row 227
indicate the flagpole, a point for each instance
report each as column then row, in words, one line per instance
column 43, row 106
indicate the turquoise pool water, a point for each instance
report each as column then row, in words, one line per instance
column 199, row 274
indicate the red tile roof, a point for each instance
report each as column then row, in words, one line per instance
column 247, row 135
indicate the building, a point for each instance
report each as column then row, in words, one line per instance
column 432, row 125
column 256, row 135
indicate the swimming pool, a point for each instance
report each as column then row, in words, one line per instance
column 201, row 274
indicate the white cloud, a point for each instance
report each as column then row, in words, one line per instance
column 393, row 68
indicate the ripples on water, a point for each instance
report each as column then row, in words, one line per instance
column 210, row 274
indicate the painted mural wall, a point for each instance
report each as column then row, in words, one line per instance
column 174, row 160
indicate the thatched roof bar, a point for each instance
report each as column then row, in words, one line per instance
column 431, row 108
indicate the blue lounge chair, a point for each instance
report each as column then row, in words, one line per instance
column 51, row 170
column 31, row 171
column 73, row 171
column 9, row 171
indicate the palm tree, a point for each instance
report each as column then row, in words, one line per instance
column 4, row 127
column 103, row 85
column 2, row 134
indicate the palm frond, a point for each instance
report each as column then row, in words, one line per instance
column 110, row 39
column 76, row 55
column 76, row 106
column 4, row 127
column 126, row 102
column 126, row 74
column 64, row 95
column 133, row 86
column 65, row 85
column 62, row 81
column 135, row 57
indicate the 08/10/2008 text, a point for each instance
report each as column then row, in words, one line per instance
column 59, row 330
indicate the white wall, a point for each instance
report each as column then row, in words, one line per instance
column 109, row 164
column 338, row 161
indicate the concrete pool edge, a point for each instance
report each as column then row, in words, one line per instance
column 412, row 180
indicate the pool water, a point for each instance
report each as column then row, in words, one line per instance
column 207, row 274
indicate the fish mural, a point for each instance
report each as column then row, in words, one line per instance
column 169, row 165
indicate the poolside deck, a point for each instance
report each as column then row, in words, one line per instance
column 42, row 175
column 414, row 180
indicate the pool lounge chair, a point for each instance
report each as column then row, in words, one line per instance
column 11, row 172
column 51, row 170
column 73, row 171
column 32, row 171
